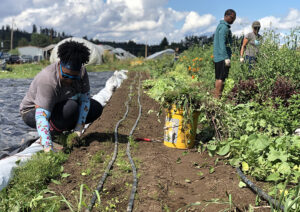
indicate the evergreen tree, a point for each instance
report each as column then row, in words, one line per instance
column 40, row 40
column 34, row 29
column 164, row 43
column 23, row 42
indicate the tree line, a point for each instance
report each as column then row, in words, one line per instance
column 46, row 36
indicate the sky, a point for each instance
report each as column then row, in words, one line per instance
column 147, row 21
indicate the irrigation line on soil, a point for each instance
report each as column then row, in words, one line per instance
column 104, row 176
column 260, row 192
column 134, row 184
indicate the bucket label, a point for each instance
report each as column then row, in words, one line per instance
column 171, row 130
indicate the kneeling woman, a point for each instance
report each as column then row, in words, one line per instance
column 58, row 98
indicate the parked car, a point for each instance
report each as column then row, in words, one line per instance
column 2, row 64
column 25, row 59
column 5, row 56
column 14, row 59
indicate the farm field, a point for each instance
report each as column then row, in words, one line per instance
column 251, row 127
column 169, row 179
column 149, row 106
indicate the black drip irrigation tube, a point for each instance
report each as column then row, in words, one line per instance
column 104, row 176
column 259, row 191
column 134, row 184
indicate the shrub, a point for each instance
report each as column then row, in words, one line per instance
column 244, row 91
column 283, row 88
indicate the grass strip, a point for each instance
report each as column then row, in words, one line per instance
column 28, row 191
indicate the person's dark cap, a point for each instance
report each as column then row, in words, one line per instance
column 256, row 24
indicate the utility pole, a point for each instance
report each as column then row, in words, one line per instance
column 12, row 34
column 146, row 50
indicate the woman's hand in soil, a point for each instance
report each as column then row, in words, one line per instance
column 78, row 133
column 78, row 129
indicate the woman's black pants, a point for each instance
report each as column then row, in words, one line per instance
column 65, row 115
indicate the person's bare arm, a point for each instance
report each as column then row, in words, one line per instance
column 245, row 41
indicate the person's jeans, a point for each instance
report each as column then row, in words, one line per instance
column 251, row 60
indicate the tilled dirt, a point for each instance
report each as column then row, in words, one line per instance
column 168, row 179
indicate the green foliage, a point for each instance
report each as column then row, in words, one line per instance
column 72, row 140
column 30, row 70
column 40, row 40
column 245, row 119
column 98, row 157
column 115, row 64
column 176, row 88
column 229, row 85
column 272, row 159
column 160, row 66
column 69, row 140
column 27, row 190
column 173, row 87
column 256, row 117
column 81, row 200
column 122, row 163
column 199, row 63
column 274, row 60
column 277, row 61
column 23, row 42
column 234, row 121
column 14, row 51
column 108, row 57
column 23, row 70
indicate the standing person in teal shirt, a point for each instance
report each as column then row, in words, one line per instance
column 222, row 51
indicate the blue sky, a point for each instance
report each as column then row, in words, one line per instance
column 253, row 10
column 146, row 20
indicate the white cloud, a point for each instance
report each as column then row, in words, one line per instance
column 123, row 20
column 293, row 15
column 142, row 20
column 150, row 24
column 292, row 20
column 241, row 26
column 194, row 21
column 270, row 21
column 43, row 3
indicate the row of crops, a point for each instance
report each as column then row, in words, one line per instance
column 253, row 124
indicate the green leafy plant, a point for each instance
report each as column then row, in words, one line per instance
column 254, row 121
column 28, row 188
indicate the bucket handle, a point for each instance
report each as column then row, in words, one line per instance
column 165, row 128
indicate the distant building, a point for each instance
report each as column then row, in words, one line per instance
column 121, row 54
column 37, row 52
column 33, row 51
column 47, row 51
column 106, row 47
column 160, row 54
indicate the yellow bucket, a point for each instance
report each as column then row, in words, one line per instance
column 175, row 134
